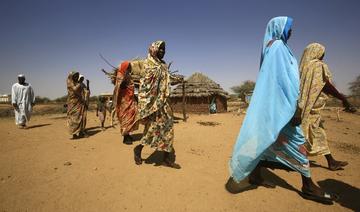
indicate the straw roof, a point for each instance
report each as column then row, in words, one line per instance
column 199, row 85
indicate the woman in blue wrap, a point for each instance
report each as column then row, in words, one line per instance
column 270, row 135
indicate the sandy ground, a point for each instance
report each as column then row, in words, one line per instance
column 103, row 177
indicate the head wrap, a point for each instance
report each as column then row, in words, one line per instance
column 154, row 49
column 312, row 51
column 277, row 29
column 287, row 28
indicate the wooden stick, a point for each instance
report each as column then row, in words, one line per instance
column 183, row 100
column 106, row 61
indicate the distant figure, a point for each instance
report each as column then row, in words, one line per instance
column 316, row 86
column 22, row 99
column 212, row 107
column 154, row 107
column 271, row 135
column 101, row 111
column 76, row 106
column 110, row 108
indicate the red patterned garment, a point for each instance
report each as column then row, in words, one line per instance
column 124, row 99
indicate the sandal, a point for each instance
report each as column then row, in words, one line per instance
column 326, row 198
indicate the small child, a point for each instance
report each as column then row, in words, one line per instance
column 110, row 108
column 101, row 107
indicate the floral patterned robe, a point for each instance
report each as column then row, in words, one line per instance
column 314, row 74
column 154, row 107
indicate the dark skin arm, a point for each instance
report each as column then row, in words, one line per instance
column 330, row 89
column 88, row 84
column 296, row 120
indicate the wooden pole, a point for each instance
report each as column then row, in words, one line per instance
column 183, row 100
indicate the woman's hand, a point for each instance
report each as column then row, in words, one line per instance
column 348, row 107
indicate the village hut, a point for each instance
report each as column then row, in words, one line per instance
column 200, row 92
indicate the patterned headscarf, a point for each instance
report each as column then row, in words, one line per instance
column 69, row 80
column 312, row 51
column 314, row 74
column 154, row 49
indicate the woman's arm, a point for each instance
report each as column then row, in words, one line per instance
column 330, row 89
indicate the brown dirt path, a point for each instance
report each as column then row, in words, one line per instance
column 103, row 177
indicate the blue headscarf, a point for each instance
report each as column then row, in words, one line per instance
column 287, row 28
column 273, row 102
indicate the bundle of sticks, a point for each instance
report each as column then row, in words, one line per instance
column 175, row 79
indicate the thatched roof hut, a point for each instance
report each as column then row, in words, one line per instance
column 200, row 91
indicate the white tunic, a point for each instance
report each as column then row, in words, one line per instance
column 23, row 96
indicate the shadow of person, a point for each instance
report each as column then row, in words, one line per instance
column 178, row 118
column 59, row 117
column 36, row 126
column 278, row 181
column 92, row 132
column 348, row 194
column 92, row 128
column 244, row 185
column 157, row 158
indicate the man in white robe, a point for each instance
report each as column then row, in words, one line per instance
column 22, row 99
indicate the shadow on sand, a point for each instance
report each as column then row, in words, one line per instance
column 177, row 119
column 157, row 158
column 348, row 194
column 278, row 181
column 91, row 131
column 314, row 164
column 36, row 126
column 244, row 185
column 59, row 117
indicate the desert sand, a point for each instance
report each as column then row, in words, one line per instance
column 42, row 169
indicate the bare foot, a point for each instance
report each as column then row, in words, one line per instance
column 237, row 187
column 337, row 165
column 313, row 192
column 255, row 178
